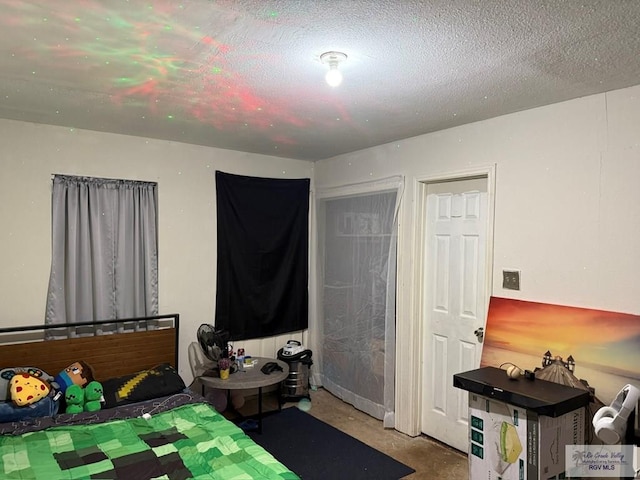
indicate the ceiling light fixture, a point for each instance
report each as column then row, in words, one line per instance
column 333, row 59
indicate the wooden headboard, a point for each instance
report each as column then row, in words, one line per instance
column 112, row 355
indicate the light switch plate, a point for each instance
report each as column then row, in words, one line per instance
column 511, row 279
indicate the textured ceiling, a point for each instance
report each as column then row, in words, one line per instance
column 245, row 74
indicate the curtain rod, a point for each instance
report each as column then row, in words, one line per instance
column 391, row 182
column 53, row 175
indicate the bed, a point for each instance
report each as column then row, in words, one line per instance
column 172, row 435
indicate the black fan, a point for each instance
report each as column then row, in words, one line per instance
column 214, row 343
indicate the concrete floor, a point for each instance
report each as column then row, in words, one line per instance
column 430, row 459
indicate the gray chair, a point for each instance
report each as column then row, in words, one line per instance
column 199, row 364
column 197, row 361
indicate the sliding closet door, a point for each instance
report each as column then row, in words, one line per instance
column 357, row 249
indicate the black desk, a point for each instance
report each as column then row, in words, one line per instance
column 539, row 418
column 540, row 396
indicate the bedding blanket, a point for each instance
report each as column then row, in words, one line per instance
column 187, row 441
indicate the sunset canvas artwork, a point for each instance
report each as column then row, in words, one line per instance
column 602, row 347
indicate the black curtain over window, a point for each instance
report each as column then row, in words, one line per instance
column 263, row 245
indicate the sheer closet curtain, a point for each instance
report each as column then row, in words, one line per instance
column 104, row 250
column 357, row 237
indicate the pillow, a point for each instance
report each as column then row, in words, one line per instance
column 6, row 374
column 27, row 389
column 46, row 406
column 158, row 381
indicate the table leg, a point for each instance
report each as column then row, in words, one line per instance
column 259, row 409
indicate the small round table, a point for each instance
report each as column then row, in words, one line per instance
column 249, row 377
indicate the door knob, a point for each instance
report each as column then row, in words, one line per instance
column 480, row 334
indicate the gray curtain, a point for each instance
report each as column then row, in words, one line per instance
column 104, row 250
column 357, row 229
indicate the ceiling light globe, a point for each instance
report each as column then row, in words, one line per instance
column 333, row 77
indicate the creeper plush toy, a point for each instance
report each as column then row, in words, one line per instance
column 87, row 399
column 81, row 392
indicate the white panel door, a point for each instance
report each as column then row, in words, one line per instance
column 454, row 303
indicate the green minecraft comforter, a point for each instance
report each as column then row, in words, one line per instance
column 187, row 441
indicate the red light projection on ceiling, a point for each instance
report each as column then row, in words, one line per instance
column 161, row 57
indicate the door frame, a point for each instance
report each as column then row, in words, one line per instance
column 415, row 402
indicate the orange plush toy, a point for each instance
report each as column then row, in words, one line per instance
column 27, row 389
column 26, row 392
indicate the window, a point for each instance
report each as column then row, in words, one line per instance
column 104, row 260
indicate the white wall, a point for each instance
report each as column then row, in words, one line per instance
column 567, row 208
column 30, row 154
